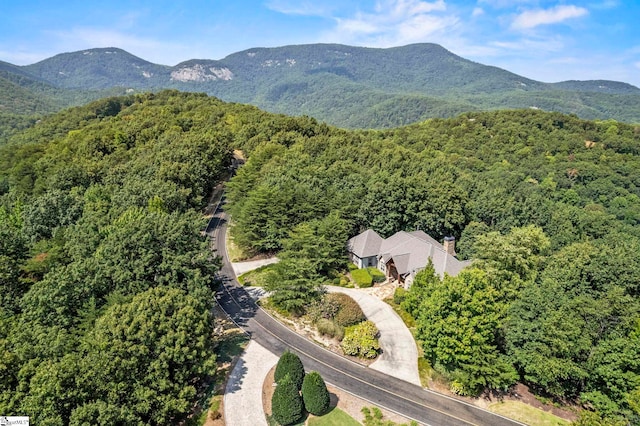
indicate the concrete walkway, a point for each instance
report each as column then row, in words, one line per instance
column 399, row 352
column 240, row 268
column 243, row 394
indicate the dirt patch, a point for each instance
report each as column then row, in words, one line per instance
column 343, row 400
column 519, row 392
column 522, row 393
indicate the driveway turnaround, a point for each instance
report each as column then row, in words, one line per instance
column 243, row 394
column 399, row 352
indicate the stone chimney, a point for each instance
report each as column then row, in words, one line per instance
column 450, row 245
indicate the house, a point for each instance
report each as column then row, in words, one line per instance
column 404, row 254
column 364, row 249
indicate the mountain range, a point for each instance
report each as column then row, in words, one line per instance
column 343, row 85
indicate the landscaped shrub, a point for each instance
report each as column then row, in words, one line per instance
column 315, row 394
column 326, row 308
column 360, row 340
column 399, row 295
column 329, row 328
column 362, row 277
column 286, row 402
column 377, row 275
column 349, row 312
column 374, row 417
column 290, row 365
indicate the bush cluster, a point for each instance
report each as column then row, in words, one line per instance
column 361, row 340
column 288, row 403
column 325, row 308
column 327, row 327
column 362, row 277
column 399, row 295
column 349, row 312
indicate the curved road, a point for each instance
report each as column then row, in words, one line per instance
column 409, row 400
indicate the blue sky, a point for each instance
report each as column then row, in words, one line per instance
column 544, row 40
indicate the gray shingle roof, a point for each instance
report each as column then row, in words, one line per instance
column 410, row 251
column 366, row 244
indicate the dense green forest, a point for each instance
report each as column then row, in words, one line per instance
column 547, row 204
column 107, row 283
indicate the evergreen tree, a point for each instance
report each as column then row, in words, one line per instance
column 290, row 365
column 315, row 394
column 286, row 402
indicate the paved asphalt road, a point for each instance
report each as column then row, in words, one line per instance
column 409, row 400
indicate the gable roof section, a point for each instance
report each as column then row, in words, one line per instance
column 425, row 237
column 366, row 244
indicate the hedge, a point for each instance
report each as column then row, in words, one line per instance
column 362, row 277
column 377, row 275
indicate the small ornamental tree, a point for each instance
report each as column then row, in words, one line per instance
column 286, row 402
column 315, row 394
column 289, row 364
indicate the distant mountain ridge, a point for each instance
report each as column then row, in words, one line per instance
column 343, row 85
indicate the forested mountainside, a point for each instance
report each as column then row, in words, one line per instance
column 348, row 86
column 101, row 212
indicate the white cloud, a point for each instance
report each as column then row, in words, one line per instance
column 502, row 4
column 533, row 18
column 304, row 8
column 637, row 65
column 604, row 5
column 395, row 22
column 529, row 46
column 477, row 11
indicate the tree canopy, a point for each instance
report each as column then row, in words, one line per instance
column 100, row 208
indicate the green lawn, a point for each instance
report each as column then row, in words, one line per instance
column 255, row 277
column 234, row 252
column 425, row 371
column 335, row 417
column 527, row 414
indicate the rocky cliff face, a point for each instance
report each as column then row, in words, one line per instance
column 200, row 73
